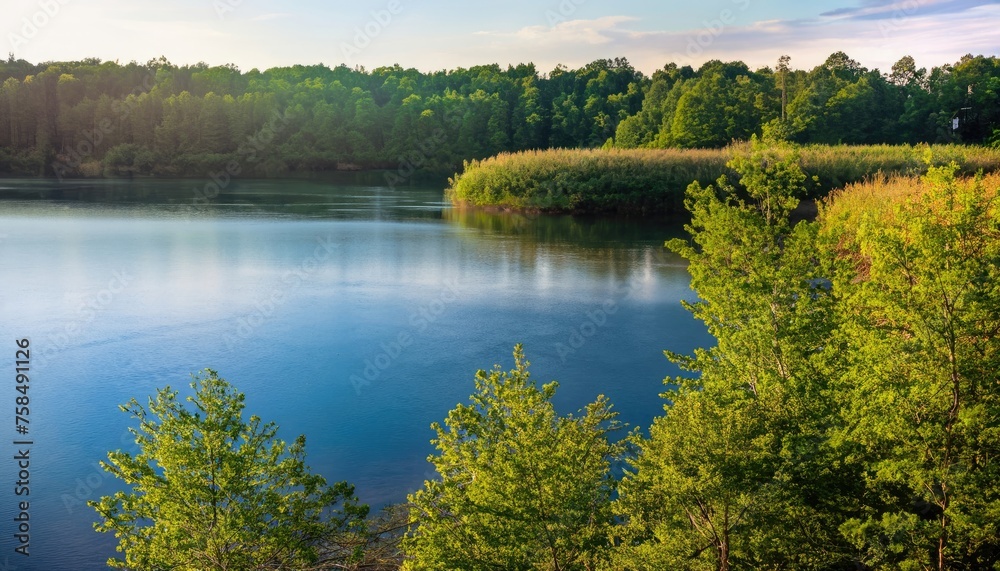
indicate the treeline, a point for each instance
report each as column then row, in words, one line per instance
column 93, row 118
column 837, row 102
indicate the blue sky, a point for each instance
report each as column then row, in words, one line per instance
column 448, row 34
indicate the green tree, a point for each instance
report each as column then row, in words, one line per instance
column 726, row 103
column 642, row 128
column 191, row 117
column 740, row 471
column 783, row 70
column 520, row 486
column 700, row 119
column 702, row 481
column 209, row 490
column 527, row 117
column 917, row 287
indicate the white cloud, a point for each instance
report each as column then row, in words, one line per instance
column 598, row 31
column 931, row 37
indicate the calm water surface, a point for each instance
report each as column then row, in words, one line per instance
column 299, row 292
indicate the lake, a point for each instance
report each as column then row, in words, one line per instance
column 346, row 311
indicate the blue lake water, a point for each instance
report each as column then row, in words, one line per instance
column 300, row 292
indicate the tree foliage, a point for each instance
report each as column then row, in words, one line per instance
column 736, row 472
column 520, row 486
column 210, row 490
column 847, row 417
column 838, row 101
column 67, row 117
column 919, row 304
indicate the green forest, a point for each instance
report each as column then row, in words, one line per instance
column 847, row 417
column 94, row 118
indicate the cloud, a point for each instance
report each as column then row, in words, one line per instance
column 874, row 32
column 927, row 30
column 598, row 31
column 891, row 10
column 877, row 33
column 866, row 5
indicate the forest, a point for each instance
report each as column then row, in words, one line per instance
column 94, row 118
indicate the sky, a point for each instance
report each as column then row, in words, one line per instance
column 449, row 34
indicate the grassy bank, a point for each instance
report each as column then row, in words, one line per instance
column 652, row 181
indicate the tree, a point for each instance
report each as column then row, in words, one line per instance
column 783, row 62
column 700, row 118
column 520, row 487
column 904, row 72
column 642, row 128
column 701, row 482
column 917, row 291
column 842, row 66
column 212, row 491
column 739, row 472
column 852, row 115
column 723, row 105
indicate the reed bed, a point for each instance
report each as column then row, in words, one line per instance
column 653, row 181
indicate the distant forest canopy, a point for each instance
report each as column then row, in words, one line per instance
column 92, row 117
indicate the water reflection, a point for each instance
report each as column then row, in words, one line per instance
column 613, row 248
column 340, row 196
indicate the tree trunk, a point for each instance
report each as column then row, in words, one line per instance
column 724, row 543
column 724, row 554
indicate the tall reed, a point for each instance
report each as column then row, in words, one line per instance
column 653, row 181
